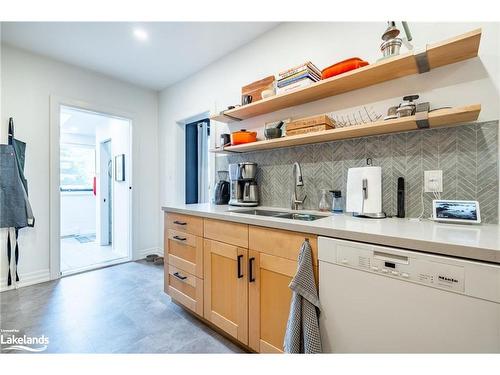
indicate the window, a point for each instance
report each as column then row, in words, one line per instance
column 77, row 164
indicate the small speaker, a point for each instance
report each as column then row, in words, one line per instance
column 401, row 197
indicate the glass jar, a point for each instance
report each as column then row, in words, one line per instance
column 337, row 207
column 323, row 201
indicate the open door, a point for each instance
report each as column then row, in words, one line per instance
column 106, row 194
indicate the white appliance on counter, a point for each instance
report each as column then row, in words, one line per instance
column 364, row 192
column 377, row 299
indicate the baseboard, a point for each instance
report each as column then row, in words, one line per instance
column 27, row 279
column 44, row 275
column 141, row 254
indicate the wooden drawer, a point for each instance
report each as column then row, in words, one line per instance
column 185, row 251
column 280, row 243
column 226, row 231
column 184, row 223
column 185, row 288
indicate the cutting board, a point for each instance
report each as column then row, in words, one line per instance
column 311, row 121
column 255, row 88
column 309, row 129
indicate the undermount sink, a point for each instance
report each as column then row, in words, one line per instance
column 282, row 214
column 303, row 217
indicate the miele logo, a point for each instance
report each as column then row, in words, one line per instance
column 450, row 279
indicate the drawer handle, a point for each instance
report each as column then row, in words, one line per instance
column 180, row 238
column 180, row 222
column 176, row 274
column 240, row 274
column 250, row 269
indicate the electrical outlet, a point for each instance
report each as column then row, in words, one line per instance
column 433, row 181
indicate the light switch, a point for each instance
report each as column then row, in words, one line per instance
column 433, row 181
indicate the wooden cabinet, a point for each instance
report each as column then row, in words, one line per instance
column 185, row 288
column 269, row 301
column 269, row 276
column 184, row 223
column 225, row 231
column 234, row 275
column 282, row 243
column 226, row 288
column 183, row 274
column 185, row 251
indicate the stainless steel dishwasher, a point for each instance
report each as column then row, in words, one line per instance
column 382, row 300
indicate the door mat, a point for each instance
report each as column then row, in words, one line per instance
column 85, row 238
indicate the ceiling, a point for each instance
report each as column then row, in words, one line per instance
column 76, row 121
column 170, row 52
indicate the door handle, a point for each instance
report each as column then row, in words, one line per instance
column 176, row 274
column 180, row 222
column 240, row 274
column 250, row 269
column 179, row 238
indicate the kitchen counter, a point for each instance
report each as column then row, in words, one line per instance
column 477, row 242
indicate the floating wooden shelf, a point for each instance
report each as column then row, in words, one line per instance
column 438, row 118
column 456, row 49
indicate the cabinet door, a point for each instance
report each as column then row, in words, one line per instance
column 226, row 288
column 269, row 300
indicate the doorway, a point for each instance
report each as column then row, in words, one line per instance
column 197, row 168
column 95, row 202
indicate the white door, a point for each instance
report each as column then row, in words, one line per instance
column 105, row 192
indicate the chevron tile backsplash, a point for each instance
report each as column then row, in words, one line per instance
column 467, row 155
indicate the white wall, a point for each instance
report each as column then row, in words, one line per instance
column 219, row 85
column 118, row 131
column 28, row 80
column 77, row 207
column 77, row 213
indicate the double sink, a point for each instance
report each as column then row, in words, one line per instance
column 281, row 214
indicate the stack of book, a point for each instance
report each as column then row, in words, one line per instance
column 300, row 76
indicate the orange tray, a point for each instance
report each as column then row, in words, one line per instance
column 342, row 67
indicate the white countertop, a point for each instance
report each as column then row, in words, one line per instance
column 478, row 242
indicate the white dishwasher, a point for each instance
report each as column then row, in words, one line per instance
column 377, row 299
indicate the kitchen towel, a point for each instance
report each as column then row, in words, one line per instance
column 355, row 202
column 302, row 331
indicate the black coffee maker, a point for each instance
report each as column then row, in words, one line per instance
column 221, row 191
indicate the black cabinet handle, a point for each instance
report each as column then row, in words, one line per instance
column 180, row 238
column 250, row 269
column 180, row 222
column 176, row 274
column 240, row 274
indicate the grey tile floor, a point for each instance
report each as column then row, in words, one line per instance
column 119, row 309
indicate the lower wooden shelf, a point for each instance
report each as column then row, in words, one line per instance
column 438, row 118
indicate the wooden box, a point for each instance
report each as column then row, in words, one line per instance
column 255, row 88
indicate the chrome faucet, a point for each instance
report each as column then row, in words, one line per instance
column 298, row 181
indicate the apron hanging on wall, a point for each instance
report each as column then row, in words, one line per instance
column 16, row 210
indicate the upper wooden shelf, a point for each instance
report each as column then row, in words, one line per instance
column 438, row 118
column 456, row 49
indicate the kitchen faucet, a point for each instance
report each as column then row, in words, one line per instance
column 298, row 181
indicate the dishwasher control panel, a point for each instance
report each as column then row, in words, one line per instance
column 401, row 265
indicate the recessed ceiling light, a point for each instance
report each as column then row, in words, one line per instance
column 140, row 34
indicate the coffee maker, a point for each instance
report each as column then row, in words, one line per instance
column 244, row 189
